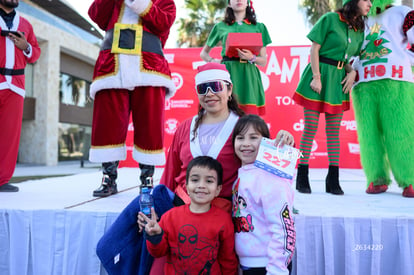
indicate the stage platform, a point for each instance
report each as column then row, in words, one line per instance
column 52, row 225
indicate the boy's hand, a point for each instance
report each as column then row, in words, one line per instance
column 284, row 137
column 151, row 225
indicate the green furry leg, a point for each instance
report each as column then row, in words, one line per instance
column 384, row 112
column 372, row 148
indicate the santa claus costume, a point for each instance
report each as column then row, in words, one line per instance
column 13, row 60
column 131, row 76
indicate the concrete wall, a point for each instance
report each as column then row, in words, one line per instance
column 39, row 138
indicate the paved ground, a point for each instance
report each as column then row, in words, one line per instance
column 63, row 168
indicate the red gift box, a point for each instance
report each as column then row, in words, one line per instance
column 238, row 40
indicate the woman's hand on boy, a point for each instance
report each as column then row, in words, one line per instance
column 284, row 137
column 151, row 225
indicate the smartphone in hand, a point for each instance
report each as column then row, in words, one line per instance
column 6, row 33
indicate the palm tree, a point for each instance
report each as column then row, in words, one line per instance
column 316, row 8
column 196, row 26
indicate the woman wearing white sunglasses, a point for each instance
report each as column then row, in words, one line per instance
column 208, row 134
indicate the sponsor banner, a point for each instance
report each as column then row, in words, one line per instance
column 280, row 78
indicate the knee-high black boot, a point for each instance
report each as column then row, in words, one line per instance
column 147, row 173
column 108, row 185
column 302, row 179
column 332, row 181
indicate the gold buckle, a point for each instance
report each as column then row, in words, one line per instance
column 340, row 65
column 243, row 60
column 137, row 43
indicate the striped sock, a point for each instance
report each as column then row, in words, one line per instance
column 333, row 124
column 309, row 131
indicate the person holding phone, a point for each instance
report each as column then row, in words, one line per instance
column 18, row 46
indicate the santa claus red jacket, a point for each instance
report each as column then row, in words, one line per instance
column 13, row 58
column 131, row 53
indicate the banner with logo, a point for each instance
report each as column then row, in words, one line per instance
column 280, row 77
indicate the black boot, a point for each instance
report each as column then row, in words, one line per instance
column 302, row 179
column 147, row 173
column 332, row 181
column 108, row 186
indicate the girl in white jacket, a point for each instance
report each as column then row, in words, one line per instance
column 262, row 206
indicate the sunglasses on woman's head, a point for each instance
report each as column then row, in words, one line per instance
column 214, row 86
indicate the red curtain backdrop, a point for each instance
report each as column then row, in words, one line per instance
column 280, row 77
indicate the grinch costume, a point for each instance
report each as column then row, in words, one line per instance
column 383, row 98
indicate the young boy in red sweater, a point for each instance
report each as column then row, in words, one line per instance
column 197, row 238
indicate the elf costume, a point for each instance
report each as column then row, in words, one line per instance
column 246, row 78
column 383, row 98
column 339, row 41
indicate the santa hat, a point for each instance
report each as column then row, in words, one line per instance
column 212, row 72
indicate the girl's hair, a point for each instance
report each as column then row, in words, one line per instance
column 232, row 104
column 250, row 120
column 229, row 17
column 206, row 162
column 350, row 13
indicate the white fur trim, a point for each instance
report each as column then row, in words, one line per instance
column 130, row 16
column 9, row 51
column 28, row 55
column 145, row 79
column 107, row 154
column 127, row 78
column 195, row 147
column 212, row 75
column 149, row 159
column 129, row 74
column 138, row 6
column 9, row 86
column 221, row 138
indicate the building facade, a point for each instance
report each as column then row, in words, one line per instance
column 58, row 110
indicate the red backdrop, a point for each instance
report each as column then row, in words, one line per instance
column 280, row 78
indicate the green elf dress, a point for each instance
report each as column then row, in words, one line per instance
column 339, row 42
column 247, row 82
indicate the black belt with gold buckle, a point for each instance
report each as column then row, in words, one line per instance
column 150, row 42
column 226, row 58
column 339, row 64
